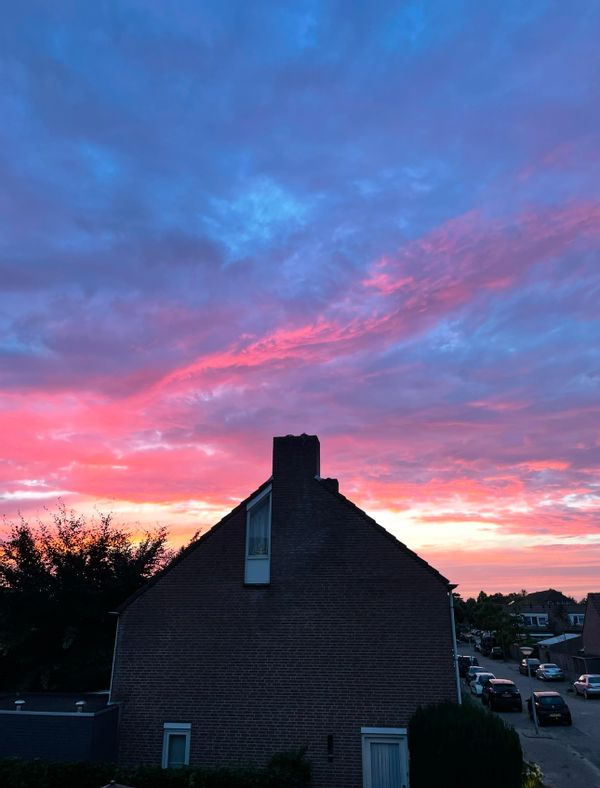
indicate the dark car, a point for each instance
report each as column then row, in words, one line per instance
column 502, row 694
column 533, row 665
column 496, row 653
column 550, row 708
column 464, row 663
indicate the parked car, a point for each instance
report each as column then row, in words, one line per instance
column 533, row 665
column 502, row 694
column 550, row 707
column 473, row 671
column 496, row 653
column 548, row 671
column 588, row 685
column 479, row 682
column 464, row 663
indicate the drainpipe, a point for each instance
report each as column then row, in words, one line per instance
column 454, row 648
column 112, row 669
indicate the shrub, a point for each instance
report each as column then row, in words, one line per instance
column 462, row 747
column 285, row 770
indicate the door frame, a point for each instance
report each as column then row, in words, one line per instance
column 389, row 735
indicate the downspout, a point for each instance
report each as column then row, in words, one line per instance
column 454, row 648
column 112, row 669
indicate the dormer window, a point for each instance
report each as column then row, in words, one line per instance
column 258, row 540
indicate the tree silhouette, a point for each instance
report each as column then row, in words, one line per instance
column 58, row 585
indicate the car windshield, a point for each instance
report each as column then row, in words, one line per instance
column 549, row 700
column 506, row 688
column 484, row 676
column 549, row 667
column 594, row 680
column 531, row 661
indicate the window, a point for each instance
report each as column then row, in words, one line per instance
column 176, row 745
column 258, row 540
column 385, row 758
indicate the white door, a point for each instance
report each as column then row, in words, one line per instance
column 385, row 758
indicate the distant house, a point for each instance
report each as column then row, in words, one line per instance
column 296, row 621
column 547, row 611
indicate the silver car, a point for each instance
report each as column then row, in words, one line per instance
column 479, row 682
column 588, row 685
column 473, row 671
column 548, row 671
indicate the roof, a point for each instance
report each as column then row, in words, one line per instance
column 55, row 701
column 325, row 484
column 547, row 694
column 549, row 595
column 410, row 553
column 558, row 639
column 191, row 547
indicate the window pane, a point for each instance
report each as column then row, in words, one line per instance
column 258, row 528
column 385, row 765
column 177, row 742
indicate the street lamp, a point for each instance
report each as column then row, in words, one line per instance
column 526, row 651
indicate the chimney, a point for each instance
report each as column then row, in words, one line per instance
column 296, row 456
column 331, row 484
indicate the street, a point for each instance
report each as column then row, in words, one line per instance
column 569, row 756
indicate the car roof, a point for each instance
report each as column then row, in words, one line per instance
column 592, row 675
column 549, row 665
column 547, row 694
column 485, row 673
column 502, row 681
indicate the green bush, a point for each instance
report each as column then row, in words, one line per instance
column 462, row 747
column 285, row 770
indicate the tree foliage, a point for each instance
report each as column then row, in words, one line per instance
column 58, row 585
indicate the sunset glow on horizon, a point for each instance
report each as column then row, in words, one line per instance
column 379, row 225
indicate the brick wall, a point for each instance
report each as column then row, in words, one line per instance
column 337, row 641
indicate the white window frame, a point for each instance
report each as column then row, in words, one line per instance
column 257, row 568
column 384, row 735
column 177, row 729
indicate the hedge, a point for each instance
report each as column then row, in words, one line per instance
column 285, row 770
column 462, row 747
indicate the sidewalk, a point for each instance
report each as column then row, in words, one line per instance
column 563, row 766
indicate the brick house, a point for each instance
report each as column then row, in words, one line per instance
column 295, row 621
column 589, row 659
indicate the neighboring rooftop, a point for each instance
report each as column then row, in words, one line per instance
column 550, row 595
column 558, row 639
column 54, row 701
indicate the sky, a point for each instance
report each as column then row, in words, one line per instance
column 377, row 222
